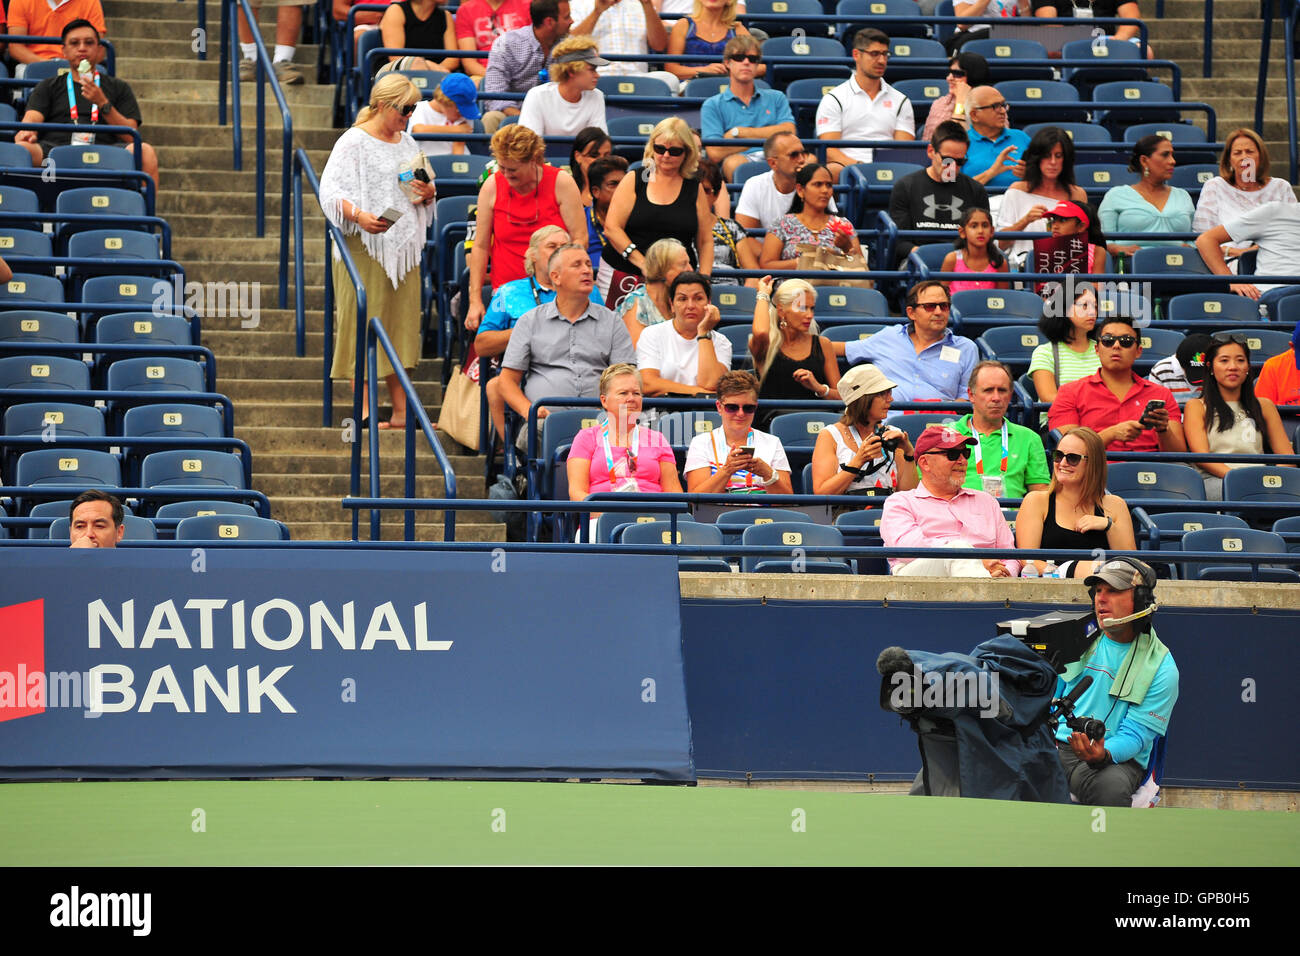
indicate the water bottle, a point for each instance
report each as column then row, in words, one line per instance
column 1050, row 570
column 1263, row 312
column 1030, row 570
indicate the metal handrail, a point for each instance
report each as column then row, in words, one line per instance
column 1290, row 11
column 265, row 73
column 376, row 335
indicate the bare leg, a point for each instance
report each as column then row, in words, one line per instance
column 496, row 407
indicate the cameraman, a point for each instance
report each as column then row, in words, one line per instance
column 1135, row 686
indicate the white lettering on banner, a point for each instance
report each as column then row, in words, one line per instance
column 124, row 699
column 168, row 623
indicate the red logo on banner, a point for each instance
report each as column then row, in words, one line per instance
column 22, row 659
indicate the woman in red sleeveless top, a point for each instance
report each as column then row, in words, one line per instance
column 521, row 197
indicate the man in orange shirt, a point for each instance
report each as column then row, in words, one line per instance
column 1279, row 379
column 38, row 18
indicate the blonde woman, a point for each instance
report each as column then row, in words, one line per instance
column 662, row 200
column 570, row 102
column 1075, row 512
column 705, row 32
column 523, row 195
column 793, row 359
column 359, row 183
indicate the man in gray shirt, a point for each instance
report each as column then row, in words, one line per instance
column 564, row 345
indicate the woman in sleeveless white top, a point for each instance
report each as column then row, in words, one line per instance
column 882, row 472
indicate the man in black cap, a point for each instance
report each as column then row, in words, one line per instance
column 1184, row 371
column 1133, row 691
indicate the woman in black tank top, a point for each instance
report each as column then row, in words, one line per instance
column 419, row 25
column 1075, row 512
column 794, row 361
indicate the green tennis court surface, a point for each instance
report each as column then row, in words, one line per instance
column 389, row 823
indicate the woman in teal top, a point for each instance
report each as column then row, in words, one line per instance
column 1150, row 206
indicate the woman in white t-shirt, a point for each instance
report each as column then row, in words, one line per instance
column 1243, row 184
column 737, row 457
column 684, row 356
column 1049, row 179
column 570, row 102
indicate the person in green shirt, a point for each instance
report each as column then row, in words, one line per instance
column 1008, row 459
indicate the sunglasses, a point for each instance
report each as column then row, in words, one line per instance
column 750, row 57
column 1124, row 341
column 670, row 150
column 1231, row 337
column 1070, row 458
column 731, row 408
column 958, row 74
column 952, row 454
column 1001, row 105
column 933, row 306
column 953, row 159
column 406, row 110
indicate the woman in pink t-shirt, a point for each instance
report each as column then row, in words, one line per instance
column 621, row 455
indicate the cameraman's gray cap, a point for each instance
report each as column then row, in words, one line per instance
column 862, row 380
column 1122, row 575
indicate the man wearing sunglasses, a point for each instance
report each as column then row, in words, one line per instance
column 1118, row 404
column 995, row 148
column 741, row 111
column 864, row 106
column 937, row 196
column 923, row 357
column 942, row 513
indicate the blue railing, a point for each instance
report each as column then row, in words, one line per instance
column 110, row 51
column 376, row 336
column 265, row 74
column 1290, row 10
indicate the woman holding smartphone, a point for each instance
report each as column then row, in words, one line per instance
column 738, row 458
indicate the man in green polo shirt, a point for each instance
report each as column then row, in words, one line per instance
column 1009, row 459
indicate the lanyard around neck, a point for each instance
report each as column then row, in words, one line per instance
column 978, row 451
column 634, row 445
column 72, row 101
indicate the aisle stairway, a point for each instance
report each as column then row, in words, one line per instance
column 302, row 467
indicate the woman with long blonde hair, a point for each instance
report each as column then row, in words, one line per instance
column 360, row 182
column 705, row 32
column 793, row 359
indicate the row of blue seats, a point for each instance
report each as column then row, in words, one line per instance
column 180, row 468
column 181, row 521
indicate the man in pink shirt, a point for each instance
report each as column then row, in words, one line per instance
column 941, row 513
column 1129, row 412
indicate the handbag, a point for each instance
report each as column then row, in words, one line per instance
column 813, row 257
column 459, row 416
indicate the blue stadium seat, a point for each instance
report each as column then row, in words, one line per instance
column 1164, row 531
column 1105, row 55
column 142, row 328
column 173, row 421
column 688, row 533
column 14, row 156
column 426, row 81
column 873, row 182
column 1135, row 480
column 847, row 302
column 1178, row 133
column 24, row 286
column 799, row 430
column 931, row 254
column 994, row 50
column 738, row 336
column 1287, row 310
column 155, row 374
column 46, row 372
column 906, row 48
column 1081, row 134
column 17, row 200
column 457, row 175
column 680, row 428
column 1289, row 526
column 809, row 88
column 18, row 244
column 787, row 11
column 792, row 535
column 1156, row 344
column 735, row 301
column 636, row 127
column 858, row 14
column 610, row 527
column 134, row 528
column 562, row 425
column 1216, row 306
column 1263, row 483
column 922, row 92
column 1236, row 541
column 101, row 201
column 702, row 87
column 112, row 244
column 1193, row 177
column 76, row 157
column 734, row 522
column 1058, row 101
column 1173, row 261
column 28, row 325
column 817, row 50
column 1263, row 343
column 1129, row 305
column 855, row 332
column 746, row 171
column 190, row 469
column 1012, row 345
column 1152, row 95
column 125, row 290
column 1097, row 178
column 917, row 422
column 226, row 527
column 632, row 85
column 68, row 420
column 1007, row 306
column 68, row 466
column 176, row 510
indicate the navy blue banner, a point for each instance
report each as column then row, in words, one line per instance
column 790, row 690
column 249, row 662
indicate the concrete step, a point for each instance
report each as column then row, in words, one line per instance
column 209, row 134
column 318, row 442
column 293, row 509
column 308, row 115
column 230, row 343
column 391, row 457
column 336, row 486
column 267, row 273
column 217, row 157
column 1228, row 49
column 287, row 368
column 256, row 390
column 207, row 90
column 391, row 529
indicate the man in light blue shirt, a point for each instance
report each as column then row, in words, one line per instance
column 742, row 111
column 995, row 157
column 1133, row 691
column 927, row 361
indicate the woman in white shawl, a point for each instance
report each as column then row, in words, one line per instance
column 359, row 184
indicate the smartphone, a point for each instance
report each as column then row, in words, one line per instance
column 422, row 175
column 1154, row 405
column 390, row 215
column 746, row 450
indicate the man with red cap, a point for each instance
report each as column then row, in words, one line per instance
column 941, row 513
